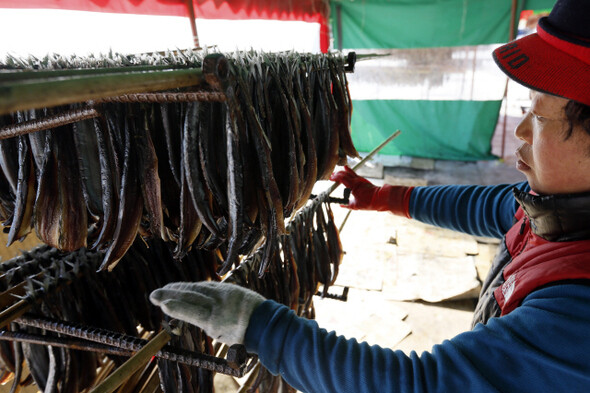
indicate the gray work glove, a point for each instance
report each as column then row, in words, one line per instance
column 221, row 310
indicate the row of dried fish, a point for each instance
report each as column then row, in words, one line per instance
column 71, row 290
column 67, row 287
column 201, row 174
column 301, row 263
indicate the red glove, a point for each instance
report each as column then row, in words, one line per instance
column 367, row 196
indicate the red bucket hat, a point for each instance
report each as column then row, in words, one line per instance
column 555, row 59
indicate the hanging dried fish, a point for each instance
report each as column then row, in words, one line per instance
column 109, row 180
column 147, row 163
column 170, row 185
column 190, row 222
column 325, row 114
column 191, row 163
column 25, row 193
column 334, row 243
column 9, row 161
column 60, row 214
column 344, row 112
column 130, row 203
column 87, row 152
column 212, row 151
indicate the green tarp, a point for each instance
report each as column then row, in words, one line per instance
column 420, row 23
column 451, row 130
column 539, row 4
column 456, row 129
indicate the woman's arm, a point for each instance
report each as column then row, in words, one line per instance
column 476, row 210
column 543, row 345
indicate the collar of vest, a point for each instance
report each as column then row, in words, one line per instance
column 557, row 218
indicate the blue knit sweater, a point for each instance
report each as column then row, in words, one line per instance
column 541, row 346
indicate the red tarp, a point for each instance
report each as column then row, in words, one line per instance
column 300, row 10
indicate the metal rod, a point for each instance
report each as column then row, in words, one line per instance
column 64, row 342
column 13, row 312
column 9, row 296
column 49, row 122
column 131, row 343
column 362, row 162
column 50, row 92
column 120, row 375
column 162, row 98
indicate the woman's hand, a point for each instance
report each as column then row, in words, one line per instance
column 222, row 310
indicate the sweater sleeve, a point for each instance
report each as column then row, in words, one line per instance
column 542, row 346
column 475, row 210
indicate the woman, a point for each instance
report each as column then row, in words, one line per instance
column 532, row 324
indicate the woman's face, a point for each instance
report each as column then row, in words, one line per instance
column 551, row 163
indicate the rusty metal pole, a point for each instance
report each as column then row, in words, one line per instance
column 192, row 17
column 511, row 37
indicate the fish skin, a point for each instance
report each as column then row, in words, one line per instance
column 147, row 164
column 7, row 200
column 130, row 205
column 169, row 187
column 261, row 144
column 191, row 165
column 212, row 151
column 18, row 371
column 108, row 171
column 310, row 168
column 234, row 181
column 285, row 146
column 325, row 108
column 172, row 119
column 37, row 360
column 190, row 223
column 342, row 115
column 334, row 243
column 25, row 196
column 9, row 161
column 60, row 214
column 86, row 145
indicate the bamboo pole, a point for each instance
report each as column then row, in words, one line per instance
column 250, row 380
column 9, row 76
column 120, row 375
column 22, row 95
column 364, row 160
column 13, row 312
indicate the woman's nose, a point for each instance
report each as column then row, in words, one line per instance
column 523, row 130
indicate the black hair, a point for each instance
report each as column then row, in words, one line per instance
column 577, row 114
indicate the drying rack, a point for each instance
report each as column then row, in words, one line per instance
column 25, row 90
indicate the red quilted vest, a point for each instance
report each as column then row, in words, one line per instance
column 537, row 262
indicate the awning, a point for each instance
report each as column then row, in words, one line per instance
column 314, row 11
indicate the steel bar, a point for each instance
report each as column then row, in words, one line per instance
column 162, row 98
column 48, row 122
column 9, row 296
column 22, row 95
column 121, row 374
column 135, row 344
column 63, row 342
column 333, row 296
column 13, row 312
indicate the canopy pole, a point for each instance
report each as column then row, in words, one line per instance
column 511, row 36
column 192, row 17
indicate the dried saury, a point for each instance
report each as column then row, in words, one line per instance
column 202, row 174
column 163, row 188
